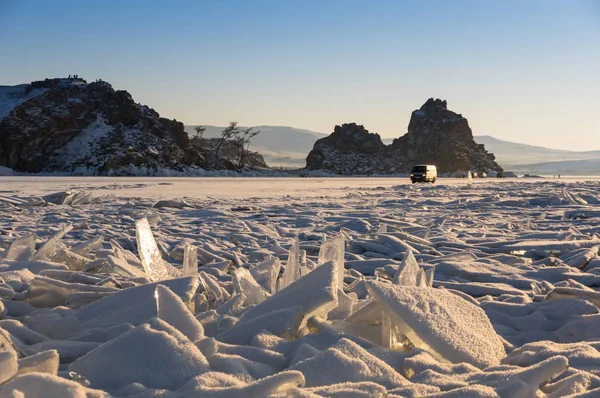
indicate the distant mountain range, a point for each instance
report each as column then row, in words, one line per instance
column 522, row 158
column 289, row 146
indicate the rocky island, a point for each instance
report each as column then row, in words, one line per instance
column 435, row 135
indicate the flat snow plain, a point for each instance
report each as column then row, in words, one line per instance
column 305, row 287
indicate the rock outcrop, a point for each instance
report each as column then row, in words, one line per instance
column 75, row 127
column 349, row 147
column 435, row 135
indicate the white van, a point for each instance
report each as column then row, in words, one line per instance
column 423, row 173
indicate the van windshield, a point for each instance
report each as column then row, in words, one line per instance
column 419, row 169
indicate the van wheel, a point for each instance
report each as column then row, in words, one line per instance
column 433, row 181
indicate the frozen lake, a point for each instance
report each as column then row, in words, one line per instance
column 304, row 287
column 199, row 187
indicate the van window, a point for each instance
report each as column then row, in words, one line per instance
column 419, row 169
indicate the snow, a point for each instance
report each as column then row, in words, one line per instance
column 5, row 171
column 83, row 145
column 13, row 96
column 298, row 287
column 139, row 355
column 440, row 322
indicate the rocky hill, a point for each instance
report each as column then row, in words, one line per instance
column 435, row 135
column 75, row 127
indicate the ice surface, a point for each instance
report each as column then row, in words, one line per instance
column 523, row 253
column 440, row 322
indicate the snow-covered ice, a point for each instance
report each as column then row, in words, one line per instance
column 299, row 287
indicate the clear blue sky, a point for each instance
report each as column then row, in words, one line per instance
column 525, row 71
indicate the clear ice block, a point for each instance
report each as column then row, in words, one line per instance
column 154, row 265
column 21, row 249
column 190, row 260
column 52, row 245
column 291, row 272
column 333, row 250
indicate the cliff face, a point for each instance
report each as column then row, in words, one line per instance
column 435, row 135
column 71, row 126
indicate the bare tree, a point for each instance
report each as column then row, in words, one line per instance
column 196, row 139
column 243, row 142
column 199, row 131
column 227, row 134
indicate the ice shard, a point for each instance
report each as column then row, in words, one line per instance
column 52, row 245
column 316, row 293
column 154, row 265
column 291, row 272
column 266, row 273
column 121, row 266
column 383, row 229
column 59, row 198
column 408, row 272
column 21, row 249
column 395, row 243
column 391, row 337
column 82, row 198
column 190, row 261
column 84, row 248
column 72, row 260
column 429, row 276
column 244, row 283
column 333, row 250
column 212, row 288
